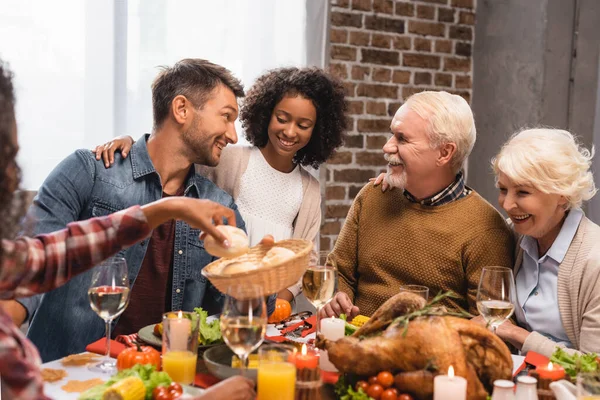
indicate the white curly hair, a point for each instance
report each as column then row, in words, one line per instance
column 550, row 160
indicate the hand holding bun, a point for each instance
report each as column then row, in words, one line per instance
column 277, row 255
column 238, row 242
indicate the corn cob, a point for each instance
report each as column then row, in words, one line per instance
column 131, row 388
column 252, row 362
column 359, row 320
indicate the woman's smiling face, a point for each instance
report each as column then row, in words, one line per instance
column 533, row 212
column 291, row 126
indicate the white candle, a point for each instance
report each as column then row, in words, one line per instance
column 333, row 329
column 449, row 387
column 179, row 333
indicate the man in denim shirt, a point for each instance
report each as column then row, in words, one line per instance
column 194, row 107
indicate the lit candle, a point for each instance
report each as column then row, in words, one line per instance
column 551, row 371
column 180, row 331
column 449, row 387
column 333, row 329
column 305, row 359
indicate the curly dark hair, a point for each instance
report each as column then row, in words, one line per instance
column 11, row 206
column 327, row 95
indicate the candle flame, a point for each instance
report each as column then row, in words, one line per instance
column 451, row 371
column 180, row 315
column 304, row 351
column 550, row 366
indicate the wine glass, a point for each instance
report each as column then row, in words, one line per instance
column 244, row 320
column 109, row 296
column 419, row 290
column 496, row 295
column 319, row 285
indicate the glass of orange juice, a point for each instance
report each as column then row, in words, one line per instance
column 276, row 373
column 588, row 385
column 180, row 346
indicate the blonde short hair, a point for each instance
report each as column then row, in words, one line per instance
column 550, row 160
column 450, row 121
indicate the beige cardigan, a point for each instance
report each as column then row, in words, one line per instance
column 578, row 294
column 233, row 164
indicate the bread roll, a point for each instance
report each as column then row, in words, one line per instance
column 277, row 255
column 237, row 238
column 237, row 267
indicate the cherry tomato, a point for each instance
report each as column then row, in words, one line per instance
column 161, row 393
column 375, row 391
column 385, row 379
column 389, row 394
column 175, row 389
column 405, row 396
column 362, row 385
column 373, row 380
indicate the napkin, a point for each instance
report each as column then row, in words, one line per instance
column 99, row 347
column 117, row 345
column 205, row 380
column 536, row 359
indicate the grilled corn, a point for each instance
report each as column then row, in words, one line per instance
column 131, row 388
column 360, row 320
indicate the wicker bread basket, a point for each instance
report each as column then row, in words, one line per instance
column 272, row 278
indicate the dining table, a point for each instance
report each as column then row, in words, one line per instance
column 82, row 373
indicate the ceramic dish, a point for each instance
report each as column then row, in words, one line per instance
column 218, row 362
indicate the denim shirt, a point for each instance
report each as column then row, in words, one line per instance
column 61, row 321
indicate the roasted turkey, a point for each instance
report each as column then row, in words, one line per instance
column 427, row 347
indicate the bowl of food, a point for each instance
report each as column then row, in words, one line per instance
column 223, row 363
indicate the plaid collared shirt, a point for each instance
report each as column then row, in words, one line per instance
column 456, row 190
column 40, row 264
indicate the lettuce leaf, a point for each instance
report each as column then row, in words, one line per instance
column 576, row 363
column 209, row 332
column 147, row 373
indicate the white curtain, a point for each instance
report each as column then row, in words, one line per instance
column 84, row 68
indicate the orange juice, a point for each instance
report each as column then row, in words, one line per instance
column 276, row 381
column 180, row 365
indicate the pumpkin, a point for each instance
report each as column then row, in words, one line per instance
column 138, row 355
column 283, row 309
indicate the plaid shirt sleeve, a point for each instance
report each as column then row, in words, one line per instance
column 37, row 265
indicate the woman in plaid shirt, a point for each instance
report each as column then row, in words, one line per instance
column 34, row 265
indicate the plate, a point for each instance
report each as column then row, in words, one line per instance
column 218, row 362
column 190, row 392
column 146, row 334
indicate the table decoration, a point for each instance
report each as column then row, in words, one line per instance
column 308, row 374
column 180, row 346
column 449, row 387
column 332, row 329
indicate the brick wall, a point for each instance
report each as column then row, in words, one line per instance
column 386, row 50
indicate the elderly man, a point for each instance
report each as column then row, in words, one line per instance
column 194, row 108
column 434, row 231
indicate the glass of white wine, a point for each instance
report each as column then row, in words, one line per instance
column 244, row 320
column 496, row 295
column 319, row 285
column 109, row 296
column 588, row 385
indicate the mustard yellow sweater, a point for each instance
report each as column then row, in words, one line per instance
column 388, row 241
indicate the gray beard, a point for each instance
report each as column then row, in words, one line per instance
column 397, row 181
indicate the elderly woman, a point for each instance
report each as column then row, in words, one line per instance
column 543, row 176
